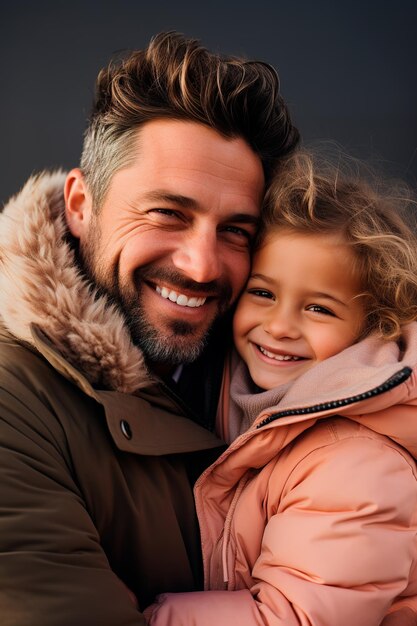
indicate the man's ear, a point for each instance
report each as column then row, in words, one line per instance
column 78, row 203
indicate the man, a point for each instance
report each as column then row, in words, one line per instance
column 115, row 280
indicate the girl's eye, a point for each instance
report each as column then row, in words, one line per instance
column 261, row 293
column 316, row 308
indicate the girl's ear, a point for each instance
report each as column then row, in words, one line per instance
column 78, row 203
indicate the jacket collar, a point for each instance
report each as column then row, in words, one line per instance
column 373, row 383
column 45, row 298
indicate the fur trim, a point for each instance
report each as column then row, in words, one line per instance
column 41, row 284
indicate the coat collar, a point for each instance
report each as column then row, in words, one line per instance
column 44, row 293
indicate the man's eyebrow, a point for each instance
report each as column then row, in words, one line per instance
column 164, row 196
column 245, row 218
column 190, row 203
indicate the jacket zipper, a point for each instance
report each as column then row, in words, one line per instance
column 228, row 525
column 389, row 384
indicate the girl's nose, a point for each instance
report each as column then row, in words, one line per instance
column 282, row 324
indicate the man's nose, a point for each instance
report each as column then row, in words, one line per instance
column 197, row 256
column 282, row 323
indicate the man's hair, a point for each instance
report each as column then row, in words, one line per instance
column 177, row 78
column 374, row 216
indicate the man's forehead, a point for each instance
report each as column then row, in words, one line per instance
column 193, row 167
column 190, row 142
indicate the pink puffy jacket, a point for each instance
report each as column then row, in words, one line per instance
column 310, row 517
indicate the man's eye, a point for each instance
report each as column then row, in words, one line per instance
column 240, row 232
column 316, row 308
column 168, row 212
column 261, row 293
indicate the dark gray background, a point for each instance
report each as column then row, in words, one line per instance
column 348, row 70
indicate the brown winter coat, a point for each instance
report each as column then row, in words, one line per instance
column 97, row 462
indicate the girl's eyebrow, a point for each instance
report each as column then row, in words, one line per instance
column 319, row 294
column 312, row 294
column 267, row 279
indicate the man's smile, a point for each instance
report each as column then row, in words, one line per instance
column 180, row 298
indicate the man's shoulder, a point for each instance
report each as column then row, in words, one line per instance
column 21, row 361
column 33, row 391
column 18, row 359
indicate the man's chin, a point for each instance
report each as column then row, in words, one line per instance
column 172, row 355
column 171, row 349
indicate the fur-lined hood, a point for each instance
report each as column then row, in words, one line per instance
column 43, row 289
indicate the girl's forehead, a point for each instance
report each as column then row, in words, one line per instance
column 310, row 239
column 301, row 258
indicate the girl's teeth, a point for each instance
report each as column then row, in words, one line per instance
column 179, row 298
column 278, row 357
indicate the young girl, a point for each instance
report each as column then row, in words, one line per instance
column 310, row 516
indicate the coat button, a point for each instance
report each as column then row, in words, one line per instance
column 125, row 428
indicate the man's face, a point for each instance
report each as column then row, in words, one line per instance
column 171, row 242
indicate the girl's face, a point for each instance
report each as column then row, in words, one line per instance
column 300, row 306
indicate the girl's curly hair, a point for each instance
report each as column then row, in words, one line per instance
column 376, row 217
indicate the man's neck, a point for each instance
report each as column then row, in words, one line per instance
column 167, row 371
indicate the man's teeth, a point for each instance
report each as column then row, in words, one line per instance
column 179, row 298
column 279, row 357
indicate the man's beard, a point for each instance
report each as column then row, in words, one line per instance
column 184, row 341
column 176, row 341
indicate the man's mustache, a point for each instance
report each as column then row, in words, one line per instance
column 216, row 288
